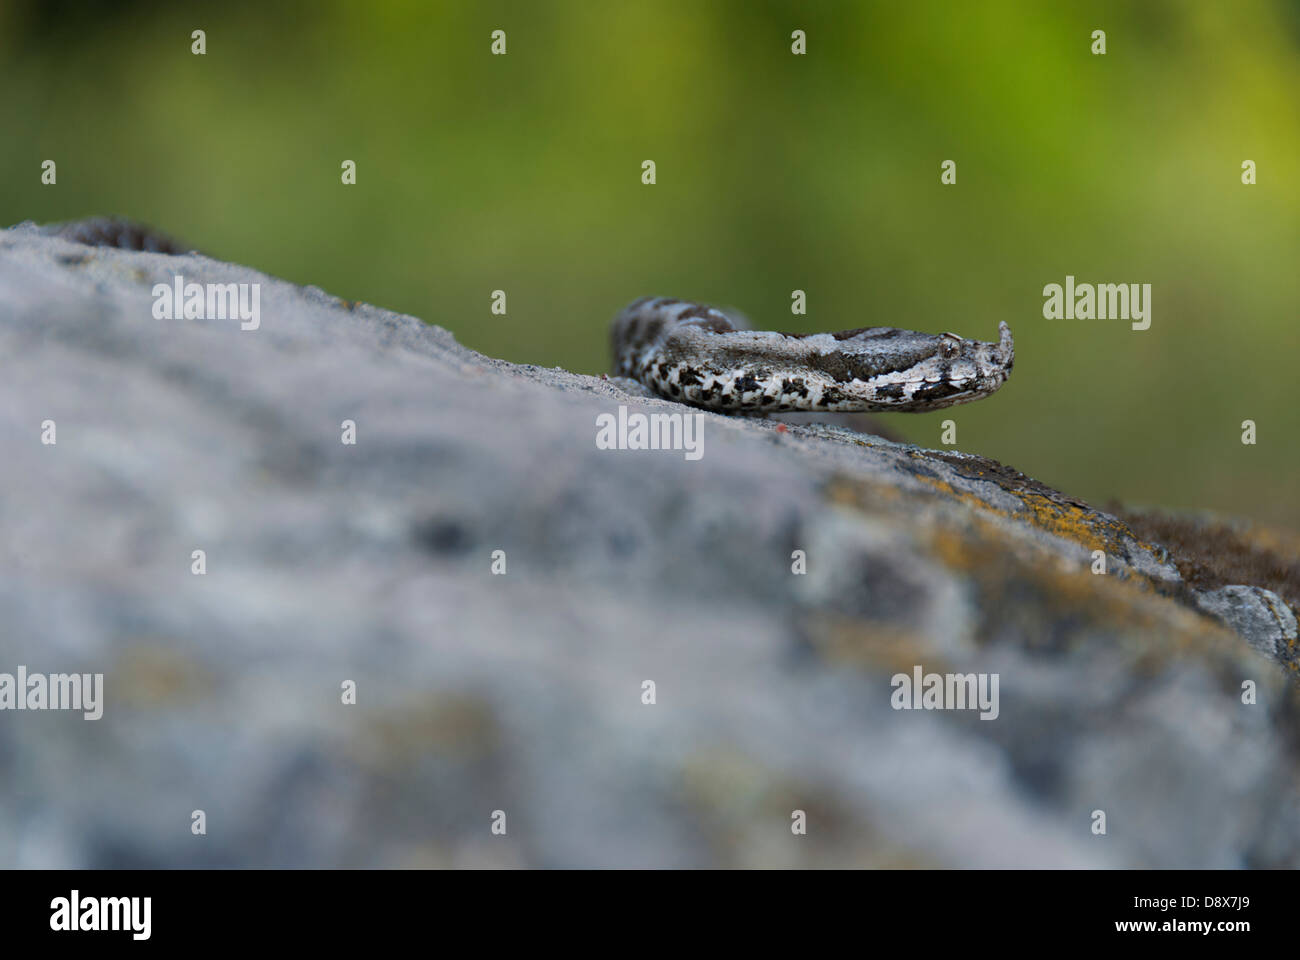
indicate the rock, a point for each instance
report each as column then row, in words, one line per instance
column 1259, row 615
column 522, row 692
column 1245, row 574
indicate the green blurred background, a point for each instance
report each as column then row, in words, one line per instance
column 775, row 172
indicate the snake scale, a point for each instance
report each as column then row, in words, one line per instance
column 694, row 354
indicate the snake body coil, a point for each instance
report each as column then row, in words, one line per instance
column 692, row 353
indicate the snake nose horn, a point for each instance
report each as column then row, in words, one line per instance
column 1006, row 345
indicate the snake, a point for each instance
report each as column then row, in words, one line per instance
column 117, row 232
column 695, row 354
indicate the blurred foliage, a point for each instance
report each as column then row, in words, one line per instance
column 775, row 172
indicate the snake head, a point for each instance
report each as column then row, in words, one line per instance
column 888, row 369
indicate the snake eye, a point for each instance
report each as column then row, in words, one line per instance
column 950, row 345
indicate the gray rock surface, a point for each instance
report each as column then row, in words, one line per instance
column 522, row 692
column 1259, row 615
